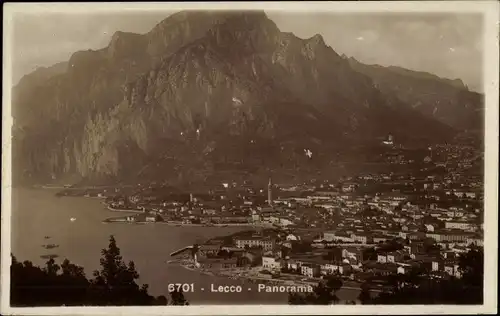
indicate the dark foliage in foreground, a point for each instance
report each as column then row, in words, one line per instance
column 66, row 284
column 421, row 289
column 323, row 294
column 416, row 288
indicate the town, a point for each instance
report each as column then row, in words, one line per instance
column 364, row 227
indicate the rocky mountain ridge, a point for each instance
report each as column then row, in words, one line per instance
column 199, row 90
column 448, row 101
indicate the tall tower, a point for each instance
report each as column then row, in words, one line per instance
column 270, row 192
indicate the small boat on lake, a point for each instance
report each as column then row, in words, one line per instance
column 72, row 219
column 51, row 256
column 46, row 237
column 50, row 246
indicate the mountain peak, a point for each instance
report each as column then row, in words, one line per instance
column 246, row 31
column 182, row 17
column 352, row 60
column 126, row 44
column 120, row 35
column 459, row 83
column 243, row 19
column 190, row 17
column 182, row 28
column 317, row 39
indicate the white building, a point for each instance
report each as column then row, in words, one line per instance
column 271, row 263
column 477, row 241
column 429, row 227
column 265, row 243
column 463, row 225
column 382, row 258
column 309, row 270
column 292, row 237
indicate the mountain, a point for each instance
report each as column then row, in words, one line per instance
column 448, row 101
column 200, row 95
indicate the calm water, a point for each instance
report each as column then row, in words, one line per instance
column 38, row 213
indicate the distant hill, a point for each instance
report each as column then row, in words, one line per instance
column 448, row 101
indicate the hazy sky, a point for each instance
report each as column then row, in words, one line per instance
column 448, row 45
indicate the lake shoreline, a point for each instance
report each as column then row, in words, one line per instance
column 114, row 220
column 42, row 213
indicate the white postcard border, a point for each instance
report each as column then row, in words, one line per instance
column 490, row 10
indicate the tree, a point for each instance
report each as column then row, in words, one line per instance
column 35, row 286
column 66, row 284
column 177, row 297
column 364, row 296
column 323, row 294
column 160, row 300
column 391, row 245
column 115, row 283
column 224, row 253
column 301, row 247
column 369, row 254
column 431, row 248
column 471, row 266
column 334, row 253
column 419, row 288
column 194, row 250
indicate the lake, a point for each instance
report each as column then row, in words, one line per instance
column 38, row 212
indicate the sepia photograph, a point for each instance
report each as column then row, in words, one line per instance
column 270, row 158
